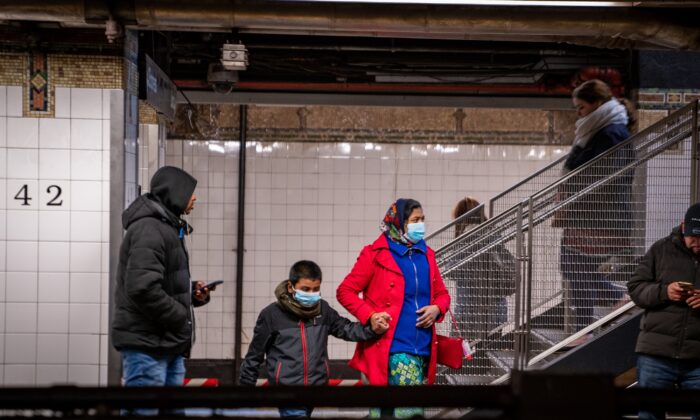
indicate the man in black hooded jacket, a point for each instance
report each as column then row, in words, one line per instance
column 153, row 323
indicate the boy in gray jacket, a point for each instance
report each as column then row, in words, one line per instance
column 292, row 334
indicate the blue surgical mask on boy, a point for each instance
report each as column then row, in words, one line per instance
column 416, row 232
column 307, row 299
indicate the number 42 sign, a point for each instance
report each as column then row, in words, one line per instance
column 54, row 191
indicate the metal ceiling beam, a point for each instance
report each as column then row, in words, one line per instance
column 270, row 98
column 646, row 26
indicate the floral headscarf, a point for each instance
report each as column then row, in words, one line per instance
column 392, row 224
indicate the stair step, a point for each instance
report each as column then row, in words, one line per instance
column 502, row 360
column 458, row 379
column 547, row 337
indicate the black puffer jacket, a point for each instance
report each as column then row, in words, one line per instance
column 153, row 296
column 668, row 329
column 297, row 350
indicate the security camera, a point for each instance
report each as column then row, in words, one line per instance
column 234, row 57
column 221, row 79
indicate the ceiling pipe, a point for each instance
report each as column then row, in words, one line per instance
column 43, row 11
column 653, row 27
column 449, row 89
column 597, row 42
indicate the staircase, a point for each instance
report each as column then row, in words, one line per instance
column 541, row 285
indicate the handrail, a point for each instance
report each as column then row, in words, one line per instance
column 615, row 165
column 577, row 171
column 573, row 337
column 630, row 139
column 515, row 186
column 677, row 138
column 592, row 187
column 461, row 218
column 478, row 228
column 562, row 344
column 475, row 210
column 482, row 250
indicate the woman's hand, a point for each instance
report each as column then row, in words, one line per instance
column 379, row 322
column 429, row 314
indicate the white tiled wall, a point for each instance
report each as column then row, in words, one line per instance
column 151, row 154
column 53, row 264
column 212, row 245
column 319, row 201
column 668, row 178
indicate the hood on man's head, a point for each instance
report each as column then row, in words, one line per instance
column 173, row 187
column 691, row 223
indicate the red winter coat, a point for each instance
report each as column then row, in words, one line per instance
column 381, row 282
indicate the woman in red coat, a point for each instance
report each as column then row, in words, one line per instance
column 397, row 275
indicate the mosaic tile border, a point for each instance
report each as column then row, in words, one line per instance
column 662, row 99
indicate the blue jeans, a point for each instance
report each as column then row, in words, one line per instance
column 665, row 373
column 141, row 369
column 295, row 412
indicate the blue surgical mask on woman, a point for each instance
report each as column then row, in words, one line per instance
column 307, row 299
column 416, row 232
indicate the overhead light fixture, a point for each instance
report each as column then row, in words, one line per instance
column 543, row 3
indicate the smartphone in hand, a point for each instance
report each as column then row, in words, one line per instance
column 213, row 284
column 686, row 286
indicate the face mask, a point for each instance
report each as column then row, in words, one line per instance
column 307, row 299
column 416, row 232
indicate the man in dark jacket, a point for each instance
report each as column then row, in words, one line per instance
column 667, row 285
column 153, row 323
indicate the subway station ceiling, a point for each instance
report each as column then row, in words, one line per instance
column 325, row 47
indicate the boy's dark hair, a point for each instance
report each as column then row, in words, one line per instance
column 304, row 269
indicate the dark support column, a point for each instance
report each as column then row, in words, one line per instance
column 695, row 163
column 116, row 207
column 124, row 186
column 240, row 246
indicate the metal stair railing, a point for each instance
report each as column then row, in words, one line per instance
column 499, row 203
column 456, row 243
column 523, row 189
column 447, row 233
column 660, row 125
column 572, row 247
column 526, row 187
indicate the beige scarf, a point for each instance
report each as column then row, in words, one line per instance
column 287, row 301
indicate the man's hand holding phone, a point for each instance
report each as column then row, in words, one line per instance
column 201, row 291
column 691, row 295
column 679, row 291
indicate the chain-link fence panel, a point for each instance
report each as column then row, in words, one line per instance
column 558, row 260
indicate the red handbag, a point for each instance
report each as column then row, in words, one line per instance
column 450, row 350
